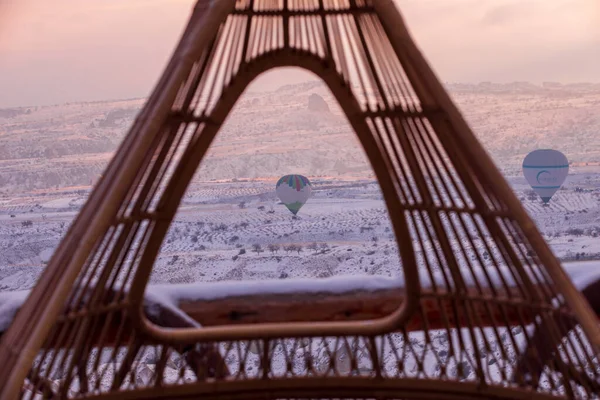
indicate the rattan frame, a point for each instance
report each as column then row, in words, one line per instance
column 123, row 197
column 309, row 62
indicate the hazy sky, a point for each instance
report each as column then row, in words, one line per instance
column 54, row 51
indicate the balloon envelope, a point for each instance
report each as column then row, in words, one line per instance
column 293, row 191
column 546, row 171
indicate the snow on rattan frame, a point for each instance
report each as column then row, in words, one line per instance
column 87, row 327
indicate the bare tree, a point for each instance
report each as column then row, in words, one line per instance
column 220, row 227
column 531, row 195
column 298, row 248
column 313, row 246
column 273, row 248
column 257, row 248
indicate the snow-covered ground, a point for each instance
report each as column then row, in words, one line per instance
column 343, row 229
column 231, row 226
column 238, row 231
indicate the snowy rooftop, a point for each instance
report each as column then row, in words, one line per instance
column 581, row 273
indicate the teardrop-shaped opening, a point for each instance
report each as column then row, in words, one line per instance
column 284, row 203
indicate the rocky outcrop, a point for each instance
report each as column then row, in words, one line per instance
column 316, row 103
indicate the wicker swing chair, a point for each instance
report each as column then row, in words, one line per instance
column 513, row 323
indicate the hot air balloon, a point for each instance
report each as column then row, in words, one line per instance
column 546, row 171
column 293, row 191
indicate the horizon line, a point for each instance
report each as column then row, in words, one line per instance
column 113, row 100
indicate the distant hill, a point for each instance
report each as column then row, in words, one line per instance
column 273, row 133
column 513, row 119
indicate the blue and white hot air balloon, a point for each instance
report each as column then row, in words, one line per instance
column 546, row 171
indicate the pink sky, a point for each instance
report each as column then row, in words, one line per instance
column 54, row 51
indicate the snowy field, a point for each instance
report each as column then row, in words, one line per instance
column 240, row 231
column 235, row 230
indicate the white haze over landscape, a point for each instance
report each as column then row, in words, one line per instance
column 64, row 65
column 59, row 51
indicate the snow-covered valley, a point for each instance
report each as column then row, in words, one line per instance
column 232, row 227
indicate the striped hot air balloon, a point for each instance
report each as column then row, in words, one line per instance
column 546, row 171
column 293, row 191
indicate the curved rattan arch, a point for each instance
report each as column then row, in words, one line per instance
column 441, row 189
column 174, row 194
column 334, row 388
